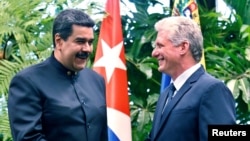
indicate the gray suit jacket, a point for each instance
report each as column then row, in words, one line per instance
column 201, row 101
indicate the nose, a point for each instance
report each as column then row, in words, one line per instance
column 155, row 52
column 87, row 47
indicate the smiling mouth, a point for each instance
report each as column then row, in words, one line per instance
column 82, row 55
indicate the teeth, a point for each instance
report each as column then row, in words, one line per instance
column 83, row 55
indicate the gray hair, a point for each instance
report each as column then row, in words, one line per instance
column 180, row 29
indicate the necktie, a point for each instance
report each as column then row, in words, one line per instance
column 170, row 93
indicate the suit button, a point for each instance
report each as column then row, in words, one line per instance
column 82, row 101
column 88, row 125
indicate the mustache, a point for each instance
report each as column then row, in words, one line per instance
column 83, row 55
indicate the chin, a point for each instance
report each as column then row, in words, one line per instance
column 78, row 68
column 160, row 69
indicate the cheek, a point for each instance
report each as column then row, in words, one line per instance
column 91, row 48
column 71, row 47
column 68, row 51
column 165, row 52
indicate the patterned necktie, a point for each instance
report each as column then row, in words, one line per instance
column 170, row 94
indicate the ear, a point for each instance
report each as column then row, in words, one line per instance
column 184, row 48
column 58, row 41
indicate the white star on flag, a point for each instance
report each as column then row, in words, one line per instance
column 110, row 59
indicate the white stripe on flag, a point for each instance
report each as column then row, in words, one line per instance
column 119, row 123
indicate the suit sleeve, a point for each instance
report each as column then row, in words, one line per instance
column 25, row 110
column 105, row 131
column 217, row 107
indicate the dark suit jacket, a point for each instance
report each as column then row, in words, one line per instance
column 201, row 101
column 47, row 102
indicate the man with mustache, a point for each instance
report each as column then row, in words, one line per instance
column 60, row 99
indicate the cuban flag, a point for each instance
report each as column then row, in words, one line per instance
column 110, row 62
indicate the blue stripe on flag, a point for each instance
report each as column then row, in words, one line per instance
column 165, row 80
column 112, row 136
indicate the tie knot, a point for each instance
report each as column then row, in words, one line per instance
column 171, row 90
column 172, row 87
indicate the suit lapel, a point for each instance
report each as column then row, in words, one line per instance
column 160, row 104
column 160, row 121
column 174, row 101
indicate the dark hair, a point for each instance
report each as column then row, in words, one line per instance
column 65, row 19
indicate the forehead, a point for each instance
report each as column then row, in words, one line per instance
column 82, row 32
column 162, row 36
column 163, row 33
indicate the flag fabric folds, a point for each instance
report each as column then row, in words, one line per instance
column 188, row 8
column 110, row 63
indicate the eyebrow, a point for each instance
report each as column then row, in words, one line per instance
column 84, row 39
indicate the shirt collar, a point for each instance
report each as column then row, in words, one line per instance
column 60, row 67
column 180, row 80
